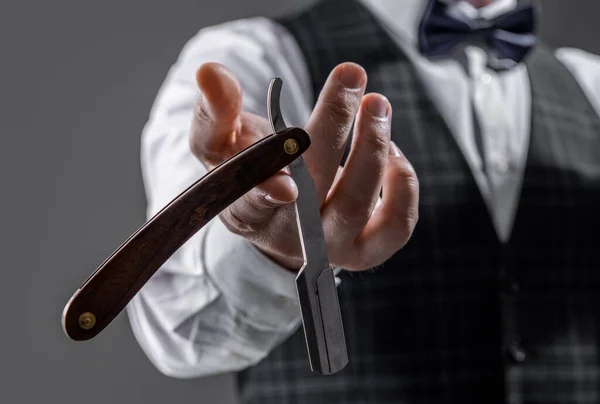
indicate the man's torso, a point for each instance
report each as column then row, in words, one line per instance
column 448, row 318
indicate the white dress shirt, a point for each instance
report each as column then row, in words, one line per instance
column 219, row 305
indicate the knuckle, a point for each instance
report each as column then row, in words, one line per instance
column 339, row 109
column 354, row 214
column 402, row 222
column 377, row 140
column 412, row 186
column 402, row 225
column 200, row 112
column 235, row 220
column 405, row 172
column 255, row 202
column 252, row 201
column 198, row 141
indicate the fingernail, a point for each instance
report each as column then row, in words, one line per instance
column 395, row 150
column 352, row 75
column 378, row 106
column 283, row 181
column 274, row 201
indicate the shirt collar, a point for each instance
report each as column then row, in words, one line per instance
column 402, row 17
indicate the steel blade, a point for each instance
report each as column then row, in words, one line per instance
column 308, row 215
column 317, row 292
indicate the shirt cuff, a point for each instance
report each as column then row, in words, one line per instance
column 263, row 291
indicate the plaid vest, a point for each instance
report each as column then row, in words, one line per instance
column 456, row 316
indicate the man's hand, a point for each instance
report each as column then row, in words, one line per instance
column 361, row 230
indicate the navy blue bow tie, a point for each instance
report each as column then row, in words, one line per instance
column 510, row 35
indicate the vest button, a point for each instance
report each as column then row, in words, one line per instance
column 516, row 352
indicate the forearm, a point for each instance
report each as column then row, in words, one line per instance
column 197, row 325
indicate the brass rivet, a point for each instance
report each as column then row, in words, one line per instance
column 87, row 320
column 291, row 146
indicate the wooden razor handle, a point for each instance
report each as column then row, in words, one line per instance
column 118, row 279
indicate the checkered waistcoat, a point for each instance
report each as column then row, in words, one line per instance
column 456, row 316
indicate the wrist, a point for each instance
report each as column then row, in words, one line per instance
column 249, row 280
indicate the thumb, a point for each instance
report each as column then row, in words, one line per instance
column 217, row 118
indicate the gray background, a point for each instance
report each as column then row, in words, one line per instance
column 77, row 79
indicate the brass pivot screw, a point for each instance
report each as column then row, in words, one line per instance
column 291, row 146
column 87, row 320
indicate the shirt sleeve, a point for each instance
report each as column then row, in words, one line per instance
column 218, row 304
